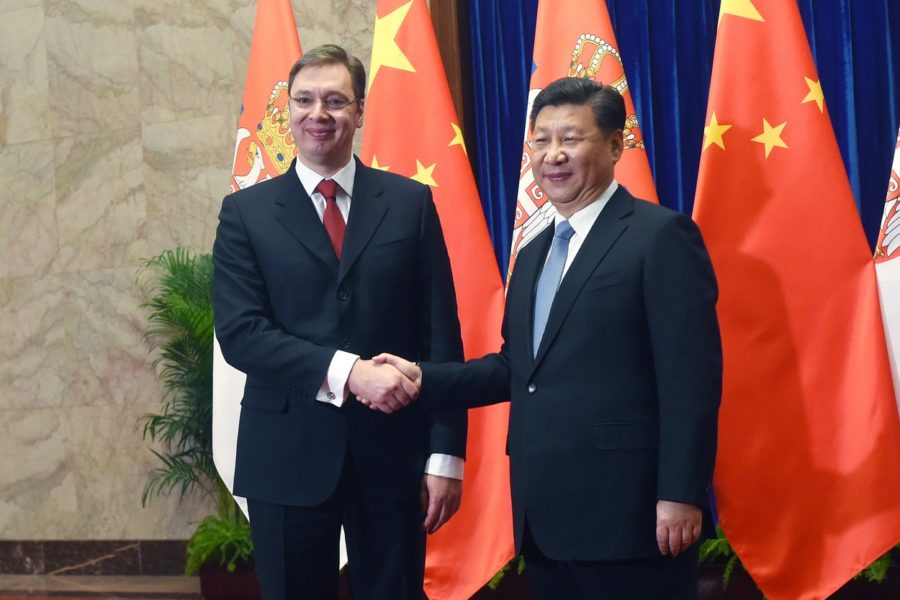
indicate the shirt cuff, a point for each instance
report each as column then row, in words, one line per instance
column 445, row 465
column 334, row 388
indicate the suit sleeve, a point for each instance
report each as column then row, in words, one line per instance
column 438, row 327
column 680, row 299
column 478, row 382
column 251, row 339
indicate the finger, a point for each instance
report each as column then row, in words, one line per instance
column 380, row 359
column 431, row 517
column 675, row 541
column 409, row 387
column 662, row 539
column 404, row 366
column 442, row 518
column 400, row 399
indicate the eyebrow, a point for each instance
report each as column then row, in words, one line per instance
column 564, row 129
column 326, row 92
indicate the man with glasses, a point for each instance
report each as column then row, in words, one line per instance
column 316, row 271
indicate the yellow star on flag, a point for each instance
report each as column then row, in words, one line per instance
column 375, row 164
column 771, row 136
column 815, row 93
column 458, row 138
column 385, row 51
column 425, row 174
column 712, row 133
column 739, row 8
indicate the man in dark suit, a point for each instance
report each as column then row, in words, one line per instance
column 315, row 270
column 612, row 361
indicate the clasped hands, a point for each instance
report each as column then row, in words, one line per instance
column 386, row 383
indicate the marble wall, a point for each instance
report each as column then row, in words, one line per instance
column 117, row 125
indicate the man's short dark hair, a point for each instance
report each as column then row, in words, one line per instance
column 332, row 54
column 606, row 103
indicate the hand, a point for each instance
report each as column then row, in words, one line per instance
column 440, row 499
column 677, row 526
column 410, row 369
column 381, row 387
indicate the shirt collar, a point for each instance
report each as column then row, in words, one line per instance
column 583, row 220
column 309, row 179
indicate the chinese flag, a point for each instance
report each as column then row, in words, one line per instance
column 264, row 148
column 574, row 38
column 806, row 477
column 887, row 266
column 411, row 129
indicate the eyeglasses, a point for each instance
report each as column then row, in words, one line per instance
column 331, row 103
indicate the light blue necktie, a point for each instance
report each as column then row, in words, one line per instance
column 548, row 282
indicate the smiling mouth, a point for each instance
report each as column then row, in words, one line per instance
column 320, row 134
column 557, row 177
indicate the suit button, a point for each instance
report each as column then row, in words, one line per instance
column 532, row 388
column 343, row 296
column 345, row 344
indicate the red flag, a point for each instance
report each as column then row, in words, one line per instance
column 809, row 441
column 411, row 128
column 264, row 148
column 576, row 39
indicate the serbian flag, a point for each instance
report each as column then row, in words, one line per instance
column 574, row 38
column 263, row 149
column 806, row 478
column 887, row 266
column 411, row 128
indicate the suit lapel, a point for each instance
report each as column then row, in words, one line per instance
column 527, row 269
column 366, row 213
column 297, row 214
column 610, row 224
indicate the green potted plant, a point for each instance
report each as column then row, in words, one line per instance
column 718, row 552
column 178, row 288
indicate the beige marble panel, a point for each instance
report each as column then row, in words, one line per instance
column 348, row 23
column 186, row 59
column 7, row 5
column 37, row 439
column 28, row 234
column 92, row 55
column 100, row 200
column 187, row 166
column 79, row 473
column 24, row 102
column 34, row 352
column 110, row 472
column 74, row 339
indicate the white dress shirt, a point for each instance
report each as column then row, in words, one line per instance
column 581, row 222
column 334, row 388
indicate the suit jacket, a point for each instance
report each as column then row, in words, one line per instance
column 283, row 305
column 619, row 407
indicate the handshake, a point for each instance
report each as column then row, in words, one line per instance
column 386, row 383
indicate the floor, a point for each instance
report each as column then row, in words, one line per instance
column 83, row 587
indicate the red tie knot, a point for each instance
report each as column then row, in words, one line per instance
column 328, row 189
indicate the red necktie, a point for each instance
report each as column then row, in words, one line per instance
column 332, row 219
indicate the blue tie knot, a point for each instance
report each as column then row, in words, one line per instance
column 564, row 230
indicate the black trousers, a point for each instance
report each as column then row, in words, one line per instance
column 655, row 578
column 297, row 547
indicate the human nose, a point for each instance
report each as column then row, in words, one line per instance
column 318, row 110
column 554, row 154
